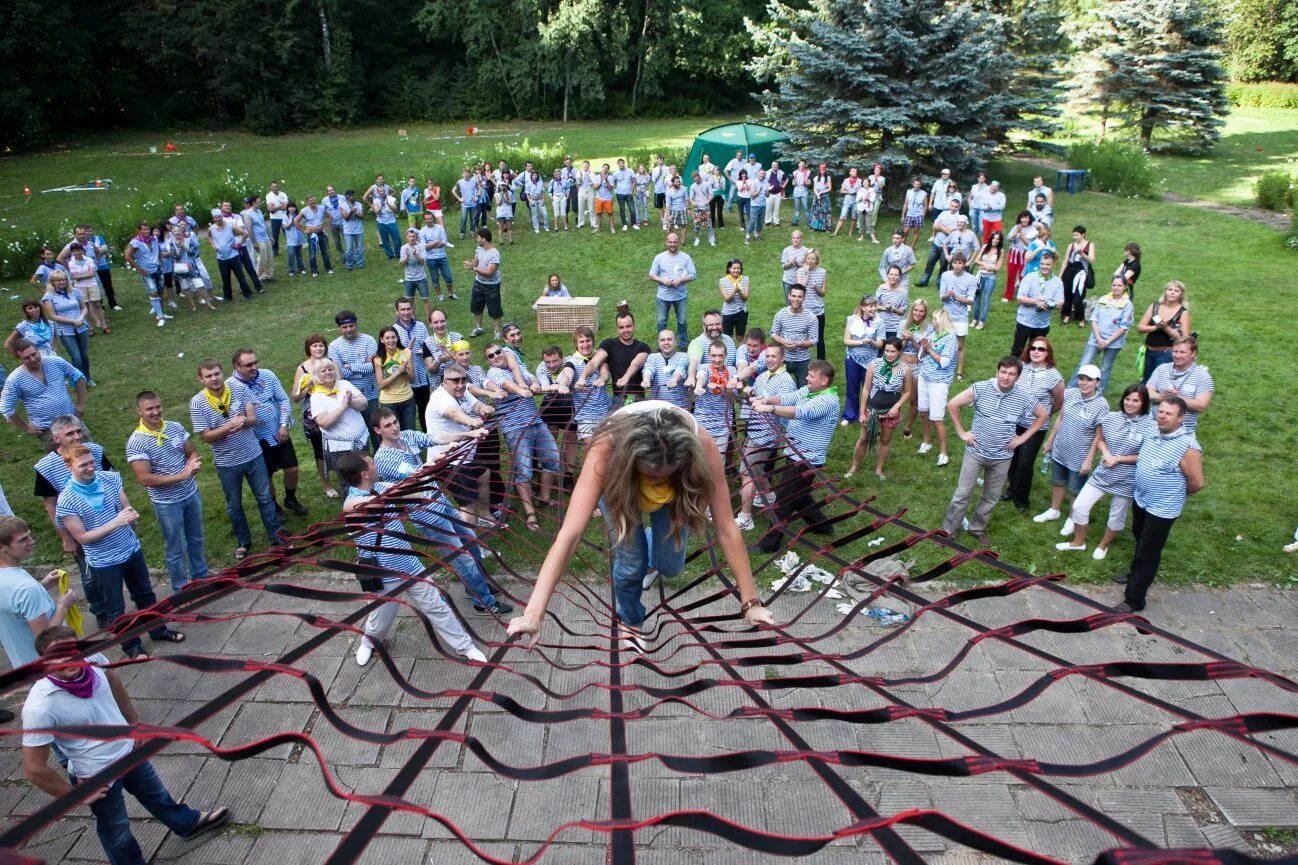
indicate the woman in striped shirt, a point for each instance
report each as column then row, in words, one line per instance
column 813, row 278
column 34, row 328
column 909, row 333
column 1071, row 440
column 1118, row 443
column 888, row 386
column 1042, row 380
column 893, row 297
column 734, row 300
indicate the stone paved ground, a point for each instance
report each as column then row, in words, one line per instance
column 1193, row 790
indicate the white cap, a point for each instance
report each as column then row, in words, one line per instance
column 1090, row 370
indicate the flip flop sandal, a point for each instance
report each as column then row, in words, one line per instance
column 210, row 820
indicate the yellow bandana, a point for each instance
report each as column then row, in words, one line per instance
column 655, row 492
column 327, row 391
column 159, row 433
column 221, row 404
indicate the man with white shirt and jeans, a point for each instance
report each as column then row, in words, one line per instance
column 89, row 696
column 673, row 271
column 623, row 187
column 276, row 203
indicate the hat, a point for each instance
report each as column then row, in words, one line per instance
column 345, row 317
column 996, row 183
column 461, row 345
column 1090, row 370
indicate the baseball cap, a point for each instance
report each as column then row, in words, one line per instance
column 1089, row 370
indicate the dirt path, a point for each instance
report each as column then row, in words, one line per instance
column 1269, row 218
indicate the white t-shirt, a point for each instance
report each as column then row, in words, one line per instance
column 349, row 428
column 50, row 706
column 440, row 403
column 275, row 203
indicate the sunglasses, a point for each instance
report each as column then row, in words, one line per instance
column 454, row 381
column 492, row 354
column 1038, row 348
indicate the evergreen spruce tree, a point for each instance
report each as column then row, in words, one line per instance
column 1155, row 66
column 914, row 84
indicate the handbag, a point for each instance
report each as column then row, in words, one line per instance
column 182, row 268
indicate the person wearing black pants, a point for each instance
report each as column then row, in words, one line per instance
column 245, row 258
column 717, row 209
column 1043, row 382
column 1169, row 467
column 233, row 266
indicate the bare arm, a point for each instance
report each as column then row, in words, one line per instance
column 1192, row 467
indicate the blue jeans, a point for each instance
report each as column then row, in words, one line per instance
column 90, row 588
column 976, row 221
column 462, row 545
column 439, row 270
column 114, row 825
column 756, row 216
column 405, row 412
column 319, row 243
column 134, row 574
column 644, row 549
column 534, row 441
column 1089, row 353
column 624, row 203
column 540, row 216
column 801, row 205
column 78, row 348
column 389, row 238
column 679, row 305
column 182, row 533
column 232, row 478
column 295, row 264
column 983, row 297
column 468, row 217
column 353, row 250
column 852, row 399
column 1153, row 360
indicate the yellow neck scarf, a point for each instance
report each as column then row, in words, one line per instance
column 159, row 433
column 655, row 492
column 221, row 403
column 327, row 391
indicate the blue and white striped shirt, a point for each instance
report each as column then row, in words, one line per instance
column 714, row 411
column 55, row 471
column 1033, row 287
column 44, row 401
column 701, row 345
column 590, row 404
column 400, row 559
column 236, row 448
column 413, row 338
column 1040, row 383
column 516, row 413
column 860, row 328
column 1189, row 383
column 659, row 370
column 997, row 414
column 812, row 427
column 167, row 458
column 898, row 297
column 355, row 358
column 272, row 404
column 1123, row 436
column 397, row 464
column 965, row 286
column 764, row 430
column 38, row 333
column 938, row 365
column 1077, row 423
column 1110, row 317
column 119, row 544
column 1160, row 484
column 796, row 327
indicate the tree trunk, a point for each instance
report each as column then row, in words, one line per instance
column 639, row 57
column 325, row 42
column 567, row 87
column 504, row 76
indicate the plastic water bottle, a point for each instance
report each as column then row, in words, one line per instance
column 885, row 617
column 1045, row 463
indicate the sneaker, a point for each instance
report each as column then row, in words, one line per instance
column 1124, row 607
column 477, row 331
column 744, row 522
column 1099, row 553
column 364, row 652
column 924, row 448
column 1290, row 548
column 845, row 422
column 943, row 459
column 171, row 303
column 651, row 576
column 475, row 654
column 1068, row 527
column 162, row 322
column 636, row 227
column 1064, row 546
column 331, row 273
column 1049, row 515
column 168, row 317
column 499, row 608
column 624, row 228
column 117, row 309
column 713, row 242
column 980, row 325
column 1005, row 300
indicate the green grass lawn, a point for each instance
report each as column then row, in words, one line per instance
column 1230, row 532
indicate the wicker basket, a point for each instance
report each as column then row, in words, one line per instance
column 563, row 314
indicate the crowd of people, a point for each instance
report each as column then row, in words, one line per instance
column 522, row 434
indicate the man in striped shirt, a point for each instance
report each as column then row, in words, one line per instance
column 94, row 510
column 222, row 417
column 40, row 385
column 354, row 353
column 812, row 412
column 797, row 330
column 762, row 435
column 990, row 444
column 1168, row 468
column 272, row 407
column 413, row 334
column 165, row 461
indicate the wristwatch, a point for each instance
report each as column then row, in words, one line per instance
column 749, row 604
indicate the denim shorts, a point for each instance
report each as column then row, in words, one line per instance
column 1062, row 475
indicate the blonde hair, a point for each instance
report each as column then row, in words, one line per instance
column 940, row 321
column 1176, row 283
column 658, row 438
column 909, row 321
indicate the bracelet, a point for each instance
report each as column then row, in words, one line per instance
column 749, row 604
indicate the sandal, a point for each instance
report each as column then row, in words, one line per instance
column 533, row 525
column 240, row 553
column 331, row 493
column 169, row 636
column 209, row 820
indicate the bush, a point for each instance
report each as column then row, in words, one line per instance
column 1264, row 94
column 1118, row 167
column 1275, row 190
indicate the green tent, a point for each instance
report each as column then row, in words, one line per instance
column 721, row 142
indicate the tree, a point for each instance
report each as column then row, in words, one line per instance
column 940, row 94
column 1155, row 65
column 1261, row 39
column 574, row 40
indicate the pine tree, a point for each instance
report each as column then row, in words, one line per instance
column 1155, row 65
column 913, row 84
